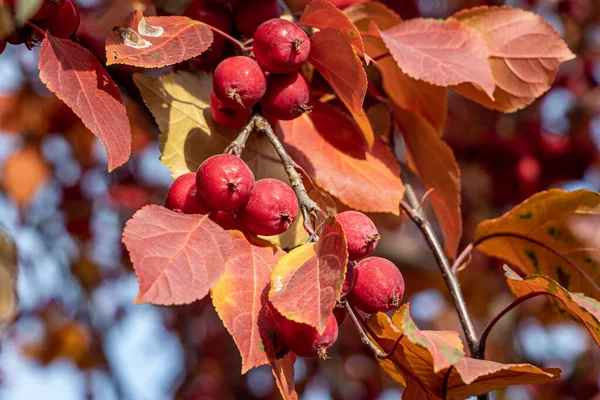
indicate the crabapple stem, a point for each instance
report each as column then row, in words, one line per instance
column 37, row 29
column 363, row 335
column 233, row 40
column 307, row 205
column 237, row 146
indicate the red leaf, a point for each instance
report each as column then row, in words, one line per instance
column 443, row 54
column 433, row 160
column 283, row 371
column 323, row 14
column 306, row 282
column 78, row 79
column 341, row 68
column 241, row 297
column 328, row 145
column 153, row 42
column 178, row 258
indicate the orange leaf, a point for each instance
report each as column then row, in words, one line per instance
column 442, row 54
column 153, row 42
column 24, row 172
column 341, row 68
column 283, row 372
column 306, row 282
column 78, row 79
column 433, row 160
column 418, row 97
column 178, row 258
column 525, row 53
column 241, row 297
column 363, row 14
column 585, row 309
column 328, row 145
column 323, row 14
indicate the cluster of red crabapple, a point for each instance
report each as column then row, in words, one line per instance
column 59, row 17
column 224, row 186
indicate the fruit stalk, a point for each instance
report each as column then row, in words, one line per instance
column 237, row 146
column 363, row 335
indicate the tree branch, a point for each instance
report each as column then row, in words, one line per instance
column 237, row 146
column 363, row 335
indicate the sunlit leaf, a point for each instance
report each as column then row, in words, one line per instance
column 306, row 282
column 25, row 9
column 525, row 53
column 178, row 258
column 585, row 309
column 441, row 53
column 23, row 174
column 535, row 238
column 283, row 372
column 328, row 145
column 153, row 42
column 363, row 14
column 9, row 301
column 78, row 79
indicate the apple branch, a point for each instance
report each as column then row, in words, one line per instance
column 237, row 146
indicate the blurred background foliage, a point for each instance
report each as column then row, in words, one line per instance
column 77, row 334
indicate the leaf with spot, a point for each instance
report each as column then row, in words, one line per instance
column 535, row 238
column 154, row 42
column 180, row 104
column 583, row 308
column 241, row 297
column 329, row 146
column 77, row 78
column 306, row 282
column 524, row 55
column 178, row 258
column 323, row 14
column 441, row 53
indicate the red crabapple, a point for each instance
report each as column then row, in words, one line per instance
column 217, row 16
column 239, row 81
column 361, row 234
column 378, row 286
column 183, row 196
column 64, row 22
column 225, row 182
column 232, row 118
column 271, row 209
column 305, row 341
column 286, row 97
column 225, row 219
column 348, row 283
column 280, row 46
column 249, row 14
column 48, row 8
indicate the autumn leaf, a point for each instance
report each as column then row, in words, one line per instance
column 441, row 53
column 585, row 309
column 363, row 14
column 178, row 258
column 535, row 238
column 585, row 228
column 241, row 295
column 341, row 68
column 432, row 159
column 323, row 14
column 180, row 104
column 154, row 42
column 328, row 145
column 9, row 301
column 24, row 10
column 23, row 174
column 420, row 98
column 78, row 79
column 306, row 282
column 525, row 53
column 283, row 372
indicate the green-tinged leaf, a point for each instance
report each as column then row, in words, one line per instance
column 535, row 238
column 585, row 309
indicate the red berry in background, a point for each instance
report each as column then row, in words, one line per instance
column 225, row 182
column 249, row 14
column 378, row 286
column 226, row 219
column 305, row 341
column 340, row 315
column 48, row 8
column 271, row 209
column 64, row 22
column 348, row 283
column 280, row 46
column 239, row 81
column 183, row 197
column 2, row 46
column 361, row 234
column 215, row 15
column 287, row 96
column 232, row 118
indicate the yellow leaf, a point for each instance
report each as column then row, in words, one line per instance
column 8, row 280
